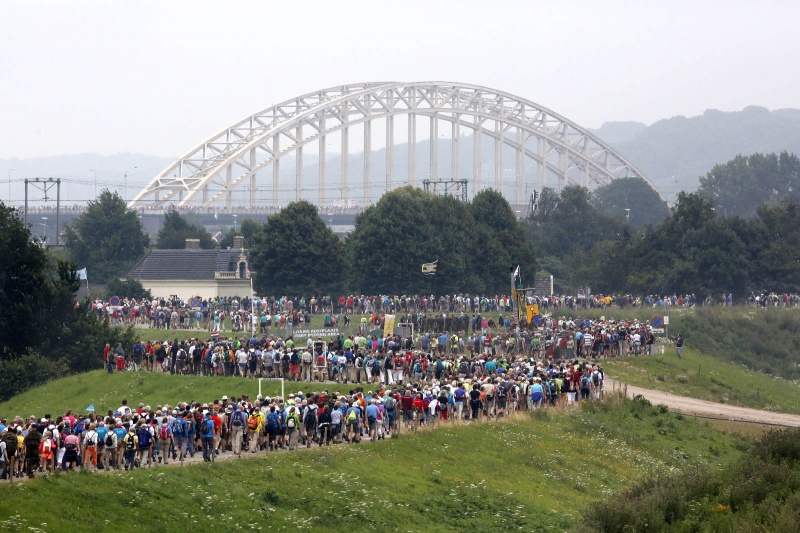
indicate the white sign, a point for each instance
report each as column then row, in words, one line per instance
column 323, row 332
column 666, row 320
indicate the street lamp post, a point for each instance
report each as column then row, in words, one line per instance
column 44, row 229
column 627, row 215
column 234, row 223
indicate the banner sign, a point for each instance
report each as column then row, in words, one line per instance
column 321, row 332
column 388, row 325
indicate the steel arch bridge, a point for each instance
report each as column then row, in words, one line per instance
column 241, row 165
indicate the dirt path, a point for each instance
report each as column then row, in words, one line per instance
column 705, row 408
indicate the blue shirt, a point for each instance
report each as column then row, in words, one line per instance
column 102, row 431
column 209, row 434
column 442, row 339
column 372, row 411
column 121, row 432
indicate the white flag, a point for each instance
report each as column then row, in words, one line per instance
column 516, row 272
column 82, row 274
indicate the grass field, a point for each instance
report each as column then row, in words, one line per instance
column 533, row 473
column 107, row 392
column 706, row 377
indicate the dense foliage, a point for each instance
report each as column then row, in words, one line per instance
column 584, row 239
column 761, row 492
column 740, row 186
column 107, row 239
column 632, row 198
column 177, row 229
column 474, row 243
column 44, row 333
column 248, row 230
column 127, row 288
column 296, row 253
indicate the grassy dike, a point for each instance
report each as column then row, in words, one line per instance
column 534, row 472
column 106, row 391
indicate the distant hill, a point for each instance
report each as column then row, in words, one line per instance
column 77, row 171
column 673, row 153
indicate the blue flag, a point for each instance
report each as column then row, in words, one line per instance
column 90, row 408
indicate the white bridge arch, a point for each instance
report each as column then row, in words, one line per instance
column 245, row 158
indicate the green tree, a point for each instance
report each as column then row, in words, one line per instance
column 498, row 242
column 248, row 230
column 43, row 333
column 635, row 194
column 564, row 230
column 775, row 239
column 296, row 253
column 693, row 251
column 127, row 288
column 740, row 186
column 475, row 244
column 107, row 239
column 177, row 228
column 23, row 267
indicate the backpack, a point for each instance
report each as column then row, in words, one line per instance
column 130, row 443
column 376, row 366
column 596, row 378
column 389, row 404
column 311, row 417
column 252, row 422
column 11, row 444
column 47, row 447
column 554, row 392
column 291, row 422
column 144, row 438
column 585, row 382
column 236, row 419
column 439, row 366
column 164, row 432
column 110, row 439
column 417, row 368
column 204, row 426
column 177, row 428
column 351, row 416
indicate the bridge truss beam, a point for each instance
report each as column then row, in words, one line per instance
column 234, row 158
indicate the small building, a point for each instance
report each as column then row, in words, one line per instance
column 192, row 271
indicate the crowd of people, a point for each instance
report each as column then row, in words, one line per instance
column 129, row 438
column 289, row 313
column 364, row 358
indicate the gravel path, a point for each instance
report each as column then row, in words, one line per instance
column 705, row 408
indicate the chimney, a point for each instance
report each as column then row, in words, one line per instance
column 238, row 242
column 192, row 244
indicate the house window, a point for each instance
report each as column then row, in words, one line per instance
column 242, row 270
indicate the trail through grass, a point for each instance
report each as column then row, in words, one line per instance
column 708, row 378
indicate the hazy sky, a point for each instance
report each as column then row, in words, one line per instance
column 160, row 77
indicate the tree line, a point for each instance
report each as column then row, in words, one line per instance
column 732, row 236
column 44, row 332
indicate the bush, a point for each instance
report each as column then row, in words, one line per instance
column 760, row 492
column 21, row 373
